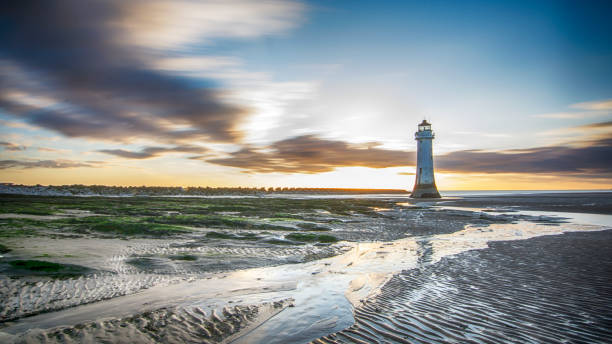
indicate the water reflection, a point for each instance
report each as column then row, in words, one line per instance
column 325, row 291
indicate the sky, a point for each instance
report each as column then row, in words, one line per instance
column 306, row 93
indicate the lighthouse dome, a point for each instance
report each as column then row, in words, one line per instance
column 424, row 126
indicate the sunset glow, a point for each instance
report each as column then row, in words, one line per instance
column 306, row 93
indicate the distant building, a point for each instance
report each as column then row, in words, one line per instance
column 425, row 184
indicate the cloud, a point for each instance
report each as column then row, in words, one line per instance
column 310, row 154
column 201, row 65
column 12, row 146
column 152, row 152
column 83, row 68
column 585, row 155
column 167, row 24
column 490, row 135
column 593, row 158
column 572, row 115
column 272, row 104
column 594, row 105
column 25, row 164
column 12, row 124
column 582, row 132
column 596, row 125
column 590, row 109
column 52, row 150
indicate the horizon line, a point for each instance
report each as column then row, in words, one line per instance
column 285, row 187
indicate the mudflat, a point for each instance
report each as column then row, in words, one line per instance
column 550, row 289
column 574, row 202
column 370, row 268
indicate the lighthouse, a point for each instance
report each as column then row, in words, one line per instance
column 425, row 184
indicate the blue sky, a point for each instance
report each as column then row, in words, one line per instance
column 315, row 93
column 474, row 66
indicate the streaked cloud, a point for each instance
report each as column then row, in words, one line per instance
column 310, row 154
column 489, row 135
column 15, row 124
column 590, row 159
column 589, row 109
column 52, row 150
column 596, row 125
column 270, row 102
column 83, row 68
column 199, row 65
column 217, row 87
column 152, row 152
column 581, row 132
column 12, row 146
column 27, row 164
column 167, row 24
column 584, row 152
column 594, row 105
column 572, row 115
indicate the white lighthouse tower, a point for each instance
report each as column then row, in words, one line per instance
column 425, row 184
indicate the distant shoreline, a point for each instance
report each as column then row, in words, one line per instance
column 170, row 191
column 102, row 190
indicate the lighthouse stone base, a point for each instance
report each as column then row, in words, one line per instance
column 425, row 191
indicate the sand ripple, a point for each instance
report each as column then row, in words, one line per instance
column 544, row 290
column 24, row 297
column 140, row 266
column 166, row 325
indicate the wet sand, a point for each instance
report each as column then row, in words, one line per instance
column 321, row 289
column 124, row 267
column 309, row 292
column 574, row 202
column 551, row 289
column 166, row 325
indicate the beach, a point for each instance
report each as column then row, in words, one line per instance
column 550, row 289
column 378, row 268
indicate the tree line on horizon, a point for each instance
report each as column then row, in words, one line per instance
column 79, row 189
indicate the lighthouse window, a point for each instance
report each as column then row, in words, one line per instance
column 420, row 171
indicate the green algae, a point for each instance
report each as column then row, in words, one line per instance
column 45, row 268
column 185, row 257
column 310, row 237
column 4, row 249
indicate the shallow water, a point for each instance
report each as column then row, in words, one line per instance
column 551, row 289
column 316, row 295
column 325, row 292
column 577, row 218
column 124, row 267
column 446, row 193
